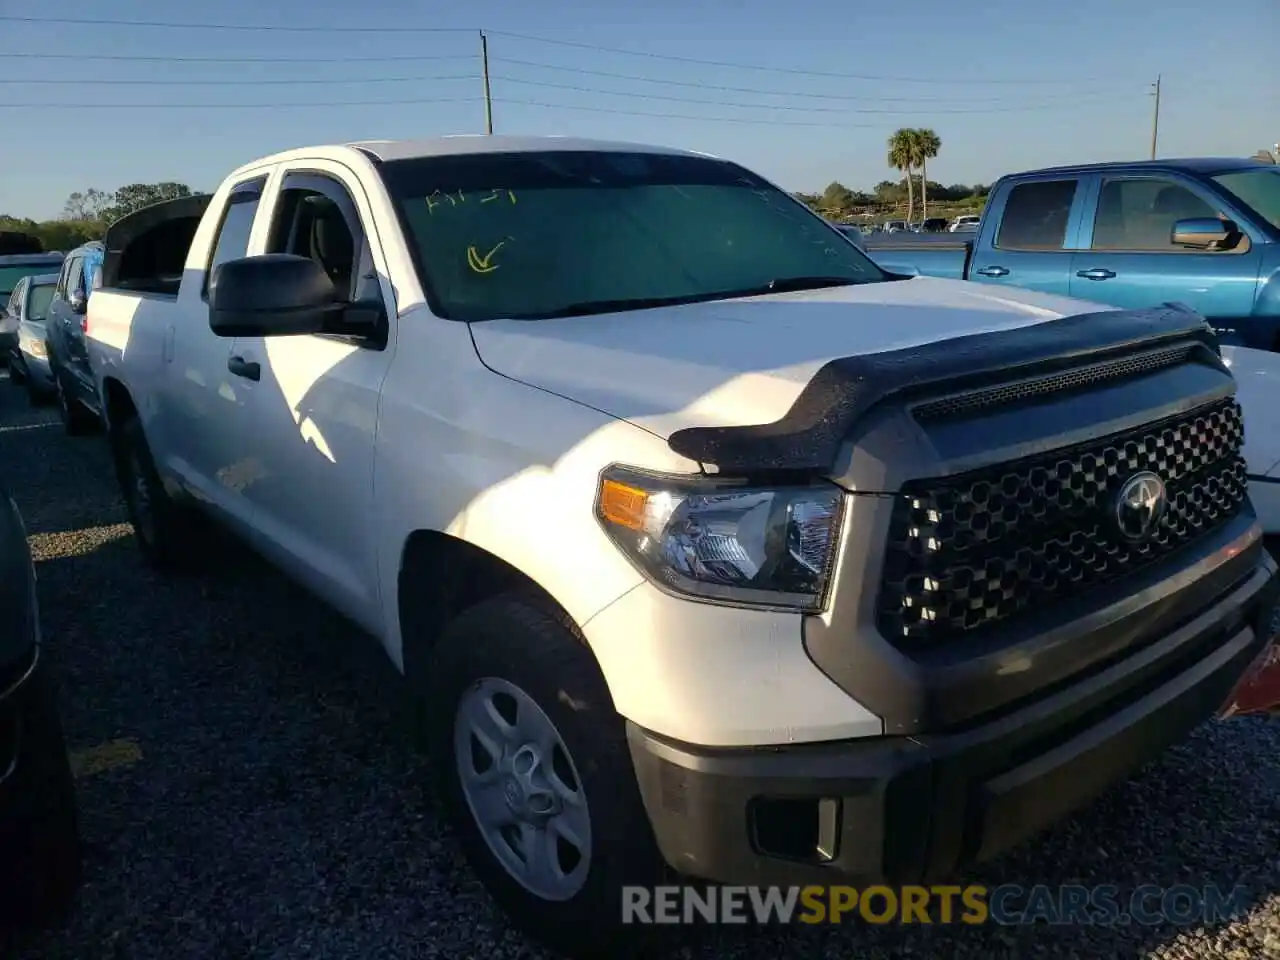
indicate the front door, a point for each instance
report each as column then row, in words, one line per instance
column 1128, row 260
column 314, row 406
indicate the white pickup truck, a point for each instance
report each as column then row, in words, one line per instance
column 703, row 542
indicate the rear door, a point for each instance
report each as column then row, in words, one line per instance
column 204, row 406
column 1128, row 260
column 1027, row 236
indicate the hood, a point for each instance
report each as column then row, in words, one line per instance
column 1257, row 374
column 743, row 362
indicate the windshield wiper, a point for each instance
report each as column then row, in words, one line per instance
column 791, row 284
column 586, row 307
column 780, row 285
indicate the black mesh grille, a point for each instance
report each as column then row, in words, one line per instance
column 1077, row 378
column 966, row 553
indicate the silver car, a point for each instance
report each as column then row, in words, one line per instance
column 28, row 351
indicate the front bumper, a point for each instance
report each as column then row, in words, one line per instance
column 914, row 808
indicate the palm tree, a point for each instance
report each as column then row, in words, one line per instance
column 902, row 157
column 927, row 144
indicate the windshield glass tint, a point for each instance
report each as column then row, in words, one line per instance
column 38, row 301
column 525, row 234
column 1260, row 189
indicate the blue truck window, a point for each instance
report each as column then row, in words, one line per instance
column 1139, row 214
column 1036, row 215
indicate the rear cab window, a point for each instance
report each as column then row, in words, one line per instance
column 1036, row 215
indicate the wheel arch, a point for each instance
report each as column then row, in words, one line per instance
column 440, row 576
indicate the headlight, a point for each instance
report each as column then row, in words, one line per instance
column 37, row 349
column 762, row 546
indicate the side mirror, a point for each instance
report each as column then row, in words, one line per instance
column 1204, row 233
column 78, row 302
column 274, row 295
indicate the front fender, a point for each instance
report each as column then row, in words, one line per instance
column 514, row 474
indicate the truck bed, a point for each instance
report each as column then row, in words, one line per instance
column 930, row 254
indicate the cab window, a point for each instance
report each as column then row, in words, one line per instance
column 1139, row 214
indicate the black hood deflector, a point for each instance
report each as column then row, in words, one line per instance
column 809, row 437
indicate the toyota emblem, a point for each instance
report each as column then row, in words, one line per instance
column 1140, row 506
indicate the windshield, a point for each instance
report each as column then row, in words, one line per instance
column 540, row 234
column 1260, row 189
column 38, row 301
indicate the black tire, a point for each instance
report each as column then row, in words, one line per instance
column 520, row 640
column 17, row 376
column 162, row 528
column 40, row 862
column 76, row 419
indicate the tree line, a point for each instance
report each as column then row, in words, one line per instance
column 909, row 151
column 86, row 215
column 889, row 196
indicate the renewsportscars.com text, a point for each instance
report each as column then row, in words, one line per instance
column 1008, row 904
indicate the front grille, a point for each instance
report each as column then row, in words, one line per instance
column 968, row 552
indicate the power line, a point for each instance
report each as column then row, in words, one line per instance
column 754, row 90
column 172, row 25
column 151, row 82
column 750, row 106
column 671, row 58
column 238, row 106
column 683, row 116
column 128, row 58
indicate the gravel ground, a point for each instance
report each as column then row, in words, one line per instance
column 256, row 797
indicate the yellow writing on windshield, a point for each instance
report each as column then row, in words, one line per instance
column 483, row 263
column 439, row 198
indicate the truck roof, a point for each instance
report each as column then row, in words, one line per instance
column 463, row 144
column 1200, row 165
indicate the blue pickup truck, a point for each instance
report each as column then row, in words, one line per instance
column 1201, row 232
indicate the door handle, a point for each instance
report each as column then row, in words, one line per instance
column 245, row 368
column 1097, row 273
column 992, row 272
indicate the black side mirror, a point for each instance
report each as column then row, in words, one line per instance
column 78, row 302
column 1204, row 233
column 274, row 295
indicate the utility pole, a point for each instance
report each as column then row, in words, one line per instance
column 488, row 97
column 1155, row 122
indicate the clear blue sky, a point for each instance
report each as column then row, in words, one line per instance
column 1060, row 82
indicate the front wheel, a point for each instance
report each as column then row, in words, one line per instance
column 533, row 766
